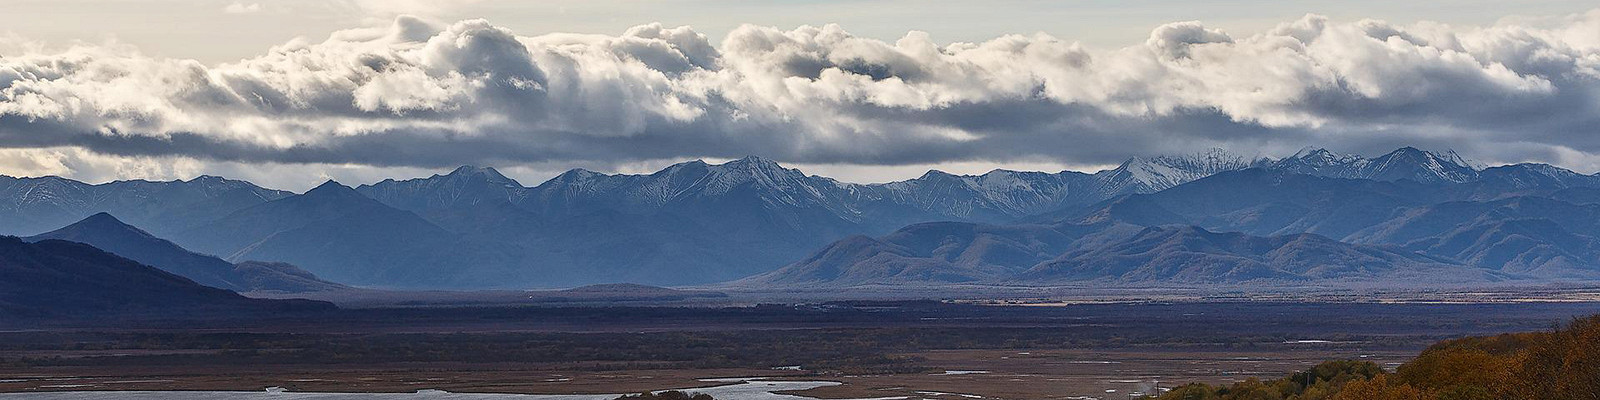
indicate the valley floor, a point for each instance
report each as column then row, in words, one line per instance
column 934, row 350
column 994, row 374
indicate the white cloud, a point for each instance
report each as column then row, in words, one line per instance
column 242, row 8
column 423, row 94
column 91, row 167
column 392, row 8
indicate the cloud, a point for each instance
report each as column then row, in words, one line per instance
column 392, row 8
column 92, row 167
column 242, row 8
column 423, row 94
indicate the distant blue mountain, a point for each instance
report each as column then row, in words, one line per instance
column 1192, row 255
column 697, row 222
column 106, row 232
column 1111, row 254
column 937, row 252
column 34, row 205
column 1516, row 232
column 1407, row 163
column 337, row 234
column 1255, row 226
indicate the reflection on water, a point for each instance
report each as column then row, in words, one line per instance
column 741, row 389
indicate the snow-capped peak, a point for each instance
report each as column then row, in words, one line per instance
column 1141, row 174
column 1322, row 157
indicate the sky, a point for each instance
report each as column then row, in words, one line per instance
column 289, row 93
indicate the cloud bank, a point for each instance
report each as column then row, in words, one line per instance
column 421, row 94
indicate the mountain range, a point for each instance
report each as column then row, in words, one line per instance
column 1251, row 226
column 33, row 205
column 698, row 223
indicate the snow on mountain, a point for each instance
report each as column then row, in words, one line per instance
column 996, row 196
column 691, row 222
column 778, row 185
column 467, row 185
column 1321, row 162
column 1533, row 175
column 1420, row 166
column 33, row 205
column 1404, row 163
column 1145, row 175
column 50, row 191
column 580, row 190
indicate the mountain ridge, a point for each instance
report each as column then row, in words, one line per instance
column 106, row 232
column 332, row 231
column 34, row 205
column 696, row 222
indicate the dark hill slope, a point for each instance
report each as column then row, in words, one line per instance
column 930, row 253
column 107, row 233
column 55, row 278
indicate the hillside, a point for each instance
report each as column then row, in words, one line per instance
column 55, row 278
column 1187, row 254
column 1555, row 365
column 336, row 233
column 931, row 253
column 110, row 234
